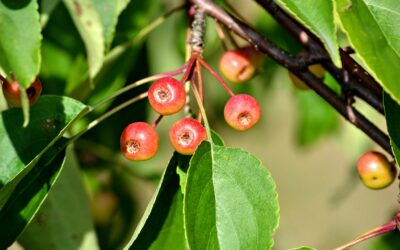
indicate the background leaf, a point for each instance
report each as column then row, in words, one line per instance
column 46, row 8
column 34, row 145
column 50, row 116
column 230, row 200
column 161, row 226
column 20, row 46
column 381, row 51
column 89, row 24
column 64, row 221
column 315, row 118
column 317, row 15
column 26, row 199
column 109, row 12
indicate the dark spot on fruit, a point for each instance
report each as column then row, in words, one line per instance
column 133, row 146
column 244, row 118
column 31, row 92
column 242, row 74
column 162, row 95
column 186, row 138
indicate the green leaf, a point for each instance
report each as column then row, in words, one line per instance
column 317, row 16
column 121, row 5
column 217, row 139
column 89, row 24
column 372, row 29
column 230, row 200
column 161, row 226
column 20, row 43
column 316, row 118
column 27, row 197
column 392, row 113
column 64, row 221
column 387, row 241
column 182, row 172
column 109, row 12
column 46, row 8
column 25, row 147
column 51, row 116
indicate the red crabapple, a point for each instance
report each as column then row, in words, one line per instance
column 242, row 112
column 375, row 170
column 240, row 65
column 139, row 141
column 12, row 92
column 167, row 96
column 186, row 134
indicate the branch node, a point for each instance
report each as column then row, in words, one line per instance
column 198, row 28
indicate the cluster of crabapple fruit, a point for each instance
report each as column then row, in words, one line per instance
column 375, row 170
column 167, row 96
column 12, row 91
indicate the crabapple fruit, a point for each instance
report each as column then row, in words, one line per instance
column 242, row 112
column 139, row 141
column 240, row 65
column 12, row 92
column 167, row 96
column 375, row 170
column 186, row 134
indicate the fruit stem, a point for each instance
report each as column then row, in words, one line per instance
column 95, row 122
column 390, row 226
column 219, row 79
column 139, row 83
column 221, row 35
column 155, row 123
column 202, row 110
column 189, row 68
column 193, row 85
column 199, row 79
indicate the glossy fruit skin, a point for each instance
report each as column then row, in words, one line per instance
column 139, row 141
column 12, row 92
column 240, row 65
column 167, row 96
column 375, row 170
column 242, row 112
column 186, row 134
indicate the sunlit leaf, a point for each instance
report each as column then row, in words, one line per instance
column 64, row 221
column 20, row 43
column 317, row 15
column 373, row 31
column 230, row 200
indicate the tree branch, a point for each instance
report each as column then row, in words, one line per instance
column 372, row 94
column 299, row 68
